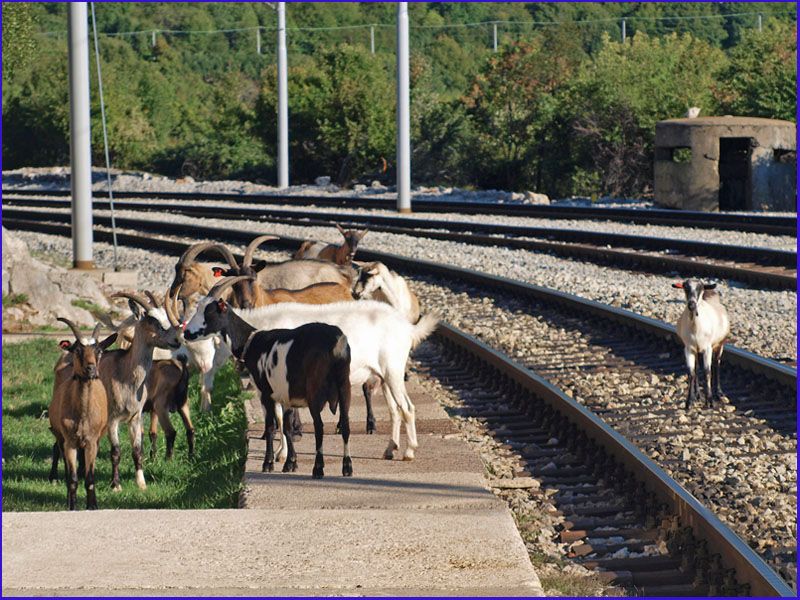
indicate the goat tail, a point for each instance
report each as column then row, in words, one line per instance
column 340, row 382
column 423, row 328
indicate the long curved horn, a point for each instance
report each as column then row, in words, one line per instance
column 138, row 298
column 169, row 307
column 96, row 332
column 153, row 298
column 227, row 282
column 74, row 328
column 251, row 247
column 193, row 251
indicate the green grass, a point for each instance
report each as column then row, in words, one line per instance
column 211, row 480
column 14, row 300
column 94, row 309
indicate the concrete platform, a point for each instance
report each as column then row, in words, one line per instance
column 425, row 527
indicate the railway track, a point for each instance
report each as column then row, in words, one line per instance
column 587, row 463
column 762, row 267
column 776, row 225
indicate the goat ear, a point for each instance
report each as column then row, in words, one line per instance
column 218, row 271
column 709, row 286
column 64, row 344
column 108, row 341
column 222, row 306
column 360, row 235
column 339, row 227
column 259, row 265
column 678, row 285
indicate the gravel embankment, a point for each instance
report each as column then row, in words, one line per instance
column 763, row 321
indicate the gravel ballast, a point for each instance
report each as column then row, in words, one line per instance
column 762, row 321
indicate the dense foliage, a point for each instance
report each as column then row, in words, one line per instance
column 565, row 108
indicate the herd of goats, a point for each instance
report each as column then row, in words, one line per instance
column 305, row 330
column 295, row 326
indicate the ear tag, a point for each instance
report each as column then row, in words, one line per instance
column 678, row 285
column 217, row 272
column 222, row 306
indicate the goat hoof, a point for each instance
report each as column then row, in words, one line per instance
column 347, row 467
column 267, row 467
column 290, row 466
column 318, row 473
column 371, row 427
column 388, row 454
column 408, row 455
column 116, row 487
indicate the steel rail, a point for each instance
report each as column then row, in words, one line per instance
column 778, row 269
column 735, row 553
column 771, row 369
column 750, row 568
column 775, row 225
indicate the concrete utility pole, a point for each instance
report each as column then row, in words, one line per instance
column 283, row 101
column 494, row 37
column 403, row 119
column 624, row 32
column 80, row 135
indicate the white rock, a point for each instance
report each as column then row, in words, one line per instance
column 322, row 181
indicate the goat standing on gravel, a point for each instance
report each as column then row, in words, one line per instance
column 341, row 255
column 79, row 413
column 307, row 366
column 703, row 327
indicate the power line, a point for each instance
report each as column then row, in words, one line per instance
column 262, row 28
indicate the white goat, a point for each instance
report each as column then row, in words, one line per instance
column 377, row 282
column 703, row 327
column 380, row 341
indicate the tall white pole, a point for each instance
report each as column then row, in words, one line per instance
column 403, row 120
column 283, row 101
column 80, row 135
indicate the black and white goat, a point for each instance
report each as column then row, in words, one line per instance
column 380, row 340
column 307, row 366
column 703, row 327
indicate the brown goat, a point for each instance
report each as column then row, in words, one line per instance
column 341, row 255
column 192, row 278
column 79, row 413
column 167, row 391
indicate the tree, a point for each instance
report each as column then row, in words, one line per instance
column 761, row 79
column 18, row 40
column 619, row 97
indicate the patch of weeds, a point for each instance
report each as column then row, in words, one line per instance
column 94, row 309
column 10, row 300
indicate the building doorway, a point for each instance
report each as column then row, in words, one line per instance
column 735, row 189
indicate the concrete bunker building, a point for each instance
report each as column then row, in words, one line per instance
column 726, row 163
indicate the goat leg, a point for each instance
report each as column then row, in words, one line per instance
column 153, row 434
column 91, row 456
column 707, row 360
column 290, row 465
column 296, row 425
column 269, row 434
column 719, row 395
column 369, row 388
column 187, row 423
column 115, row 454
column 347, row 462
column 54, row 465
column 319, row 462
column 70, row 460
